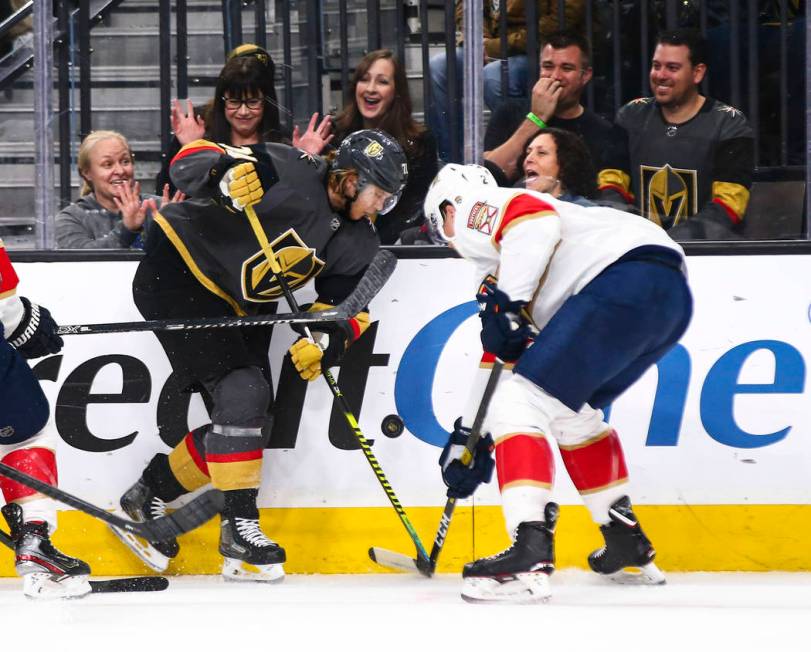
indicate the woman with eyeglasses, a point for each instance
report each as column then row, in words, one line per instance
column 244, row 111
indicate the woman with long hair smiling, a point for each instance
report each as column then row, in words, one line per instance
column 379, row 98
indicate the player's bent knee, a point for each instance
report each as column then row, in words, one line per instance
column 241, row 397
column 580, row 427
column 521, row 406
column 512, row 410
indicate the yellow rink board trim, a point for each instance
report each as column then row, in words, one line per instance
column 318, row 540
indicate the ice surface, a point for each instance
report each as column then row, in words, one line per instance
column 694, row 612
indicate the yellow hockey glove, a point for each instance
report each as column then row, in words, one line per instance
column 306, row 356
column 242, row 186
column 331, row 341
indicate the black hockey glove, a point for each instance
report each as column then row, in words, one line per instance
column 461, row 479
column 505, row 328
column 36, row 335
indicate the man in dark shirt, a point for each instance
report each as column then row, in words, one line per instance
column 555, row 102
column 692, row 157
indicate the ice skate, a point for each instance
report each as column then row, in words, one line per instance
column 140, row 503
column 47, row 573
column 247, row 553
column 627, row 556
column 521, row 573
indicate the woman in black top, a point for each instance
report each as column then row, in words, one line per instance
column 243, row 111
column 378, row 98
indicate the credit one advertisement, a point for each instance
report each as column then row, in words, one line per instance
column 722, row 419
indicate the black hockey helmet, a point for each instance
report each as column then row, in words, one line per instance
column 377, row 158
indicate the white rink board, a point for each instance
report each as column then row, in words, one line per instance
column 717, row 457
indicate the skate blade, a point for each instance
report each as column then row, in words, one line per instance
column 43, row 586
column 236, row 570
column 522, row 588
column 145, row 551
column 647, row 575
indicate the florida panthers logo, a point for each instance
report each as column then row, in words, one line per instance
column 298, row 262
column 482, row 217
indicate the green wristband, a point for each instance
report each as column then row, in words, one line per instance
column 536, row 120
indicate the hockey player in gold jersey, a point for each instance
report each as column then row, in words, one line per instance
column 209, row 257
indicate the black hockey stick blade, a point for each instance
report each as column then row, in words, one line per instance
column 129, row 584
column 190, row 516
column 193, row 514
column 377, row 273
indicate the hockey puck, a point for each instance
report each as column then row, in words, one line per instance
column 392, row 426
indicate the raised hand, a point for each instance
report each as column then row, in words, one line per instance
column 165, row 199
column 128, row 203
column 316, row 138
column 187, row 126
column 545, row 95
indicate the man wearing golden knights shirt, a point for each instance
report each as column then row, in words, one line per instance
column 692, row 157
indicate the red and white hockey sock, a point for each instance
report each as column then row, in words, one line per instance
column 41, row 464
column 526, row 474
column 597, row 469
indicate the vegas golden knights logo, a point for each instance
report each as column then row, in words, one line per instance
column 374, row 150
column 298, row 262
column 669, row 195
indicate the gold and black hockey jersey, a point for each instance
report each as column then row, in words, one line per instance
column 678, row 171
column 218, row 245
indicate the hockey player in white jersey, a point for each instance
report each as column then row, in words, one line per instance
column 586, row 299
column 28, row 331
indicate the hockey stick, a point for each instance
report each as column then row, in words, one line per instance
column 386, row 262
column 193, row 514
column 428, row 567
column 120, row 585
column 374, row 278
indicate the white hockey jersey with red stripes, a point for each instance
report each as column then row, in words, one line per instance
column 543, row 250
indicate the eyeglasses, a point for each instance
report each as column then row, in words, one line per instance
column 252, row 103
